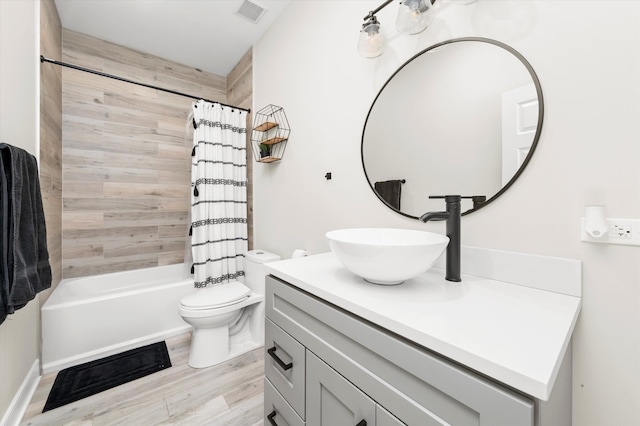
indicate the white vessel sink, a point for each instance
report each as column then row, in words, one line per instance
column 384, row 255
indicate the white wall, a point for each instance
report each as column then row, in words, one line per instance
column 587, row 56
column 19, row 103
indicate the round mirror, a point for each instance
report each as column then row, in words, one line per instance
column 461, row 117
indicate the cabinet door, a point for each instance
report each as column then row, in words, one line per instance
column 385, row 418
column 332, row 400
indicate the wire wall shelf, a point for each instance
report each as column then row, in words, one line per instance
column 270, row 134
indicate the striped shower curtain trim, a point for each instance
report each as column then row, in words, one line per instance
column 223, row 126
column 219, row 280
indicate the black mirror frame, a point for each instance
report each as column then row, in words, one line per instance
column 536, row 137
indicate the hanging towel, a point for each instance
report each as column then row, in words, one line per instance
column 390, row 191
column 25, row 258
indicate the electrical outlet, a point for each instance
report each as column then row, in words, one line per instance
column 621, row 231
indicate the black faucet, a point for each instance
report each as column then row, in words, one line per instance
column 452, row 216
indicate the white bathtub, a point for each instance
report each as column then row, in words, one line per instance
column 92, row 317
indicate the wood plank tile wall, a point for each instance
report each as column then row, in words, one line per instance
column 126, row 157
column 240, row 93
column 51, row 137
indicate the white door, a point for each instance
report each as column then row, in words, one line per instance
column 519, row 123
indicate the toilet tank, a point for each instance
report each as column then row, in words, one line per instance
column 254, row 275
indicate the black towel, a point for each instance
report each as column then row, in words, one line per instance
column 25, row 258
column 390, row 191
column 6, row 233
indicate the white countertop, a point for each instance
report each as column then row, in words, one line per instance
column 515, row 334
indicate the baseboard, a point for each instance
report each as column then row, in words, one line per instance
column 21, row 400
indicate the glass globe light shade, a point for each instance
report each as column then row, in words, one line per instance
column 414, row 16
column 372, row 41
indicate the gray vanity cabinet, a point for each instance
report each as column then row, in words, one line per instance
column 356, row 372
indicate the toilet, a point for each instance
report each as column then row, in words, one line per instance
column 227, row 319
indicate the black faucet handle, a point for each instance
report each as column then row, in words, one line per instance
column 478, row 200
column 475, row 197
column 448, row 198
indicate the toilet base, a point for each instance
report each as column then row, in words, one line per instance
column 211, row 343
column 209, row 346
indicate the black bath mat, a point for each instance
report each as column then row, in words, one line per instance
column 81, row 381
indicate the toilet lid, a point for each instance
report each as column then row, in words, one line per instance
column 217, row 296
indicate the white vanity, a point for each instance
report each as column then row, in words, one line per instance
column 493, row 350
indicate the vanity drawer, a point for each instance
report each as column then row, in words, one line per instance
column 277, row 410
column 284, row 361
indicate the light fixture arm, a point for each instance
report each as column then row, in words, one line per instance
column 382, row 6
column 377, row 9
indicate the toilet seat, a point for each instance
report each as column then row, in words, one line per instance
column 216, row 297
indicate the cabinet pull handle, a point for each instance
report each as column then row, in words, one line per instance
column 276, row 358
column 363, row 422
column 270, row 418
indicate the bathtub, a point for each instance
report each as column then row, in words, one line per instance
column 92, row 317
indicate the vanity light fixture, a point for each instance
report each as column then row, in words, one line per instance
column 372, row 40
column 414, row 16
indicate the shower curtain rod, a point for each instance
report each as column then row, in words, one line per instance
column 115, row 77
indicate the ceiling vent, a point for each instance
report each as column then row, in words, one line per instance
column 251, row 10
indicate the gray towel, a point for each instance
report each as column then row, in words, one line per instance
column 24, row 264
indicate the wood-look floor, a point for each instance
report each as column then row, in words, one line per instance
column 228, row 394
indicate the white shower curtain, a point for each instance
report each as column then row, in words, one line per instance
column 219, row 194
